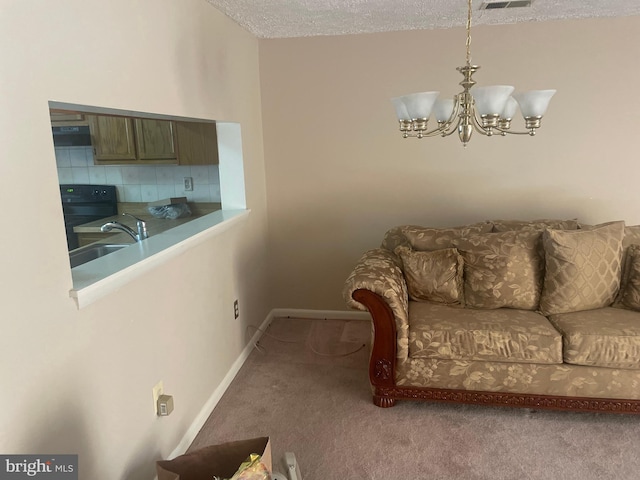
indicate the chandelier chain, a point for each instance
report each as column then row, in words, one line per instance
column 468, row 43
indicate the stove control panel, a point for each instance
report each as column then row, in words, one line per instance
column 88, row 193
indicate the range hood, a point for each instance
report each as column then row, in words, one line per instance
column 72, row 136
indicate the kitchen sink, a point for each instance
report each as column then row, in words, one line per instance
column 91, row 252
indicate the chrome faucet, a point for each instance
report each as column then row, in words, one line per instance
column 140, row 224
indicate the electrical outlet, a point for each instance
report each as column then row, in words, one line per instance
column 188, row 184
column 236, row 309
column 165, row 405
column 157, row 391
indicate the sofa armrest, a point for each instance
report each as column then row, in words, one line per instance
column 379, row 271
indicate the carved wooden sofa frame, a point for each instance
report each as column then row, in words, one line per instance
column 382, row 369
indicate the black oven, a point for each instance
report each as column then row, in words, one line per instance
column 86, row 203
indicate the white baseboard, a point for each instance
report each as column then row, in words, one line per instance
column 215, row 397
column 320, row 314
column 208, row 407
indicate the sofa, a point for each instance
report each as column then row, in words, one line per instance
column 535, row 314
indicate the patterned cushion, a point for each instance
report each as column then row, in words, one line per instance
column 502, row 269
column 429, row 239
column 629, row 295
column 607, row 337
column 505, row 335
column 433, row 276
column 540, row 224
column 582, row 268
column 394, row 238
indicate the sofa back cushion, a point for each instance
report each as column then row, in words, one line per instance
column 433, row 276
column 582, row 268
column 502, row 269
column 394, row 238
column 539, row 224
column 426, row 239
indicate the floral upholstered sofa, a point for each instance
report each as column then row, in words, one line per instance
column 538, row 314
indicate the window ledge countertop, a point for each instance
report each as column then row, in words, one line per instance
column 103, row 276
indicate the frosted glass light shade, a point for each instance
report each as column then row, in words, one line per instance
column 443, row 109
column 510, row 109
column 535, row 102
column 419, row 105
column 491, row 100
column 401, row 109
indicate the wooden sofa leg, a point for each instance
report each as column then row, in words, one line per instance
column 383, row 402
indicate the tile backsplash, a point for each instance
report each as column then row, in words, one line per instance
column 138, row 183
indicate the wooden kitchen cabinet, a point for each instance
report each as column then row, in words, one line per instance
column 126, row 141
column 155, row 139
column 197, row 143
column 113, row 139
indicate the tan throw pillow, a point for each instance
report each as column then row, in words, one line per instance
column 502, row 269
column 629, row 295
column 433, row 276
column 540, row 224
column 582, row 268
column 426, row 239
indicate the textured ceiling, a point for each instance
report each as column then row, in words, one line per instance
column 304, row 18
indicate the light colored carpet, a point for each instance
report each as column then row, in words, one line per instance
column 319, row 407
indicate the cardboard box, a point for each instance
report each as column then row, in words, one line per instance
column 220, row 460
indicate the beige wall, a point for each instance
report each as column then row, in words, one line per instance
column 81, row 381
column 339, row 175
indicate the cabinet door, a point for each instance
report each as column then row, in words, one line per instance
column 112, row 138
column 197, row 143
column 156, row 139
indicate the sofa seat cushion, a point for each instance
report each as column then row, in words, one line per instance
column 504, row 335
column 606, row 337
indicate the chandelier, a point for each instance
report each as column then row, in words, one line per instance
column 486, row 110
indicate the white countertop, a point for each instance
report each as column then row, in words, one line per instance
column 100, row 277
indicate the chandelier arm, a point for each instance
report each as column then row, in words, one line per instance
column 450, row 127
column 432, row 133
column 455, row 111
column 477, row 126
column 452, row 131
column 435, row 131
column 443, row 130
column 512, row 132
